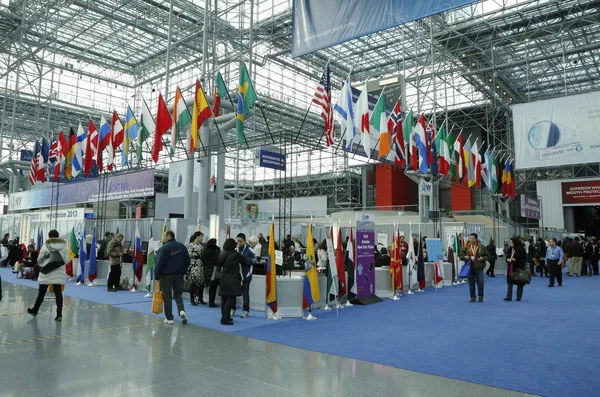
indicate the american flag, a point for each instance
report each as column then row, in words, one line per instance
column 33, row 167
column 323, row 99
column 395, row 129
column 52, row 156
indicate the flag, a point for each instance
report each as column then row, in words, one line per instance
column 72, row 251
column 493, row 172
column 147, row 129
column 409, row 142
column 61, row 154
column 52, row 156
column 211, row 185
column 421, row 265
column 459, row 148
column 438, row 275
column 118, row 137
column 412, row 263
column 444, row 146
column 332, row 273
column 91, row 148
column 421, row 144
column 246, row 97
column 132, row 130
column 468, row 162
column 363, row 115
column 510, row 180
column 40, row 240
column 163, row 123
column 451, row 261
column 379, row 123
column 339, row 263
column 151, row 260
column 33, row 166
column 201, row 113
column 345, row 108
column 82, row 259
column 351, row 264
column 394, row 125
column 181, row 118
column 433, row 158
column 220, row 92
column 311, row 283
column 104, row 140
column 322, row 98
column 272, row 272
column 72, row 140
column 92, row 270
column 77, row 161
column 137, row 255
column 505, row 179
column 42, row 158
column 475, row 164
column 489, row 166
column 393, row 262
column 399, row 275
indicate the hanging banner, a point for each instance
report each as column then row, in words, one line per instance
column 271, row 157
column 318, row 24
column 365, row 255
column 581, row 193
column 530, row 208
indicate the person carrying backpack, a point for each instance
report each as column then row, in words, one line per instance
column 52, row 262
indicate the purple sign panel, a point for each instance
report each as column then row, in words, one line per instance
column 365, row 255
column 118, row 187
column 530, row 208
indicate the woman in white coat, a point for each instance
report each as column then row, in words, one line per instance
column 56, row 277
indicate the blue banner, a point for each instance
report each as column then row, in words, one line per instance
column 318, row 24
column 270, row 157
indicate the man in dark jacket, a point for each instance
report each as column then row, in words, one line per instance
column 475, row 251
column 250, row 259
column 384, row 259
column 491, row 248
column 4, row 240
column 575, row 257
column 587, row 269
column 114, row 250
column 172, row 264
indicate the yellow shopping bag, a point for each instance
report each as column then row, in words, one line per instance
column 51, row 288
column 157, row 300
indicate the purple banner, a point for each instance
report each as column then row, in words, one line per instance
column 530, row 208
column 365, row 255
column 118, row 187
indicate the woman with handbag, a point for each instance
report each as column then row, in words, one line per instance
column 210, row 256
column 52, row 262
column 515, row 261
column 230, row 265
column 195, row 273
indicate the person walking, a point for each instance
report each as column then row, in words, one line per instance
column 210, row 256
column 575, row 257
column 476, row 252
column 115, row 251
column 195, row 273
column 595, row 255
column 173, row 261
column 555, row 259
column 493, row 256
column 588, row 253
column 540, row 255
column 230, row 266
column 515, row 260
column 52, row 262
column 250, row 259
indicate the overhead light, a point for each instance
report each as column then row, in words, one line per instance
column 497, row 86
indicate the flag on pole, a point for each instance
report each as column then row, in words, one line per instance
column 33, row 165
column 42, row 159
column 220, row 92
column 393, row 261
column 200, row 114
column 475, row 163
column 82, row 259
column 131, row 133
column 72, row 141
column 379, row 123
column 345, row 108
column 104, row 140
column 510, row 180
column 181, row 118
column 147, row 129
column 409, row 141
column 412, row 264
column 117, row 138
column 246, row 97
column 92, row 270
column 468, row 162
column 151, row 259
column 91, row 148
column 52, row 155
column 438, row 275
column 363, row 115
column 459, row 148
column 442, row 143
column 138, row 255
column 487, row 169
column 322, row 98
column 77, row 161
column 433, row 155
column 493, row 172
column 332, row 273
column 394, row 125
column 421, row 265
column 351, row 264
column 421, row 144
column 399, row 275
column 163, row 123
column 272, row 272
column 72, row 251
column 339, row 263
column 311, row 293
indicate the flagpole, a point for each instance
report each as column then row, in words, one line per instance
column 327, row 307
column 348, row 303
column 410, row 260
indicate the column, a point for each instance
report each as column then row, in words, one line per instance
column 203, row 178
column 221, row 186
column 189, row 188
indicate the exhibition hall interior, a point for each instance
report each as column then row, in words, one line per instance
column 299, row 198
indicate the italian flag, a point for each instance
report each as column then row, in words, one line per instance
column 181, row 118
column 379, row 123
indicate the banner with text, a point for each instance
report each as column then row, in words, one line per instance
column 318, row 24
column 530, row 208
column 581, row 193
column 560, row 131
column 365, row 255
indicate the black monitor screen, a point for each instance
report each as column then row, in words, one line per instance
column 126, row 245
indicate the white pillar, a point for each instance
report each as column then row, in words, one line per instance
column 203, row 178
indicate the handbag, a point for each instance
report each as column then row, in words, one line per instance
column 216, row 275
column 466, row 270
column 56, row 260
column 157, row 300
column 521, row 277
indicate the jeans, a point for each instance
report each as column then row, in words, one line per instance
column 555, row 271
column 227, row 304
column 476, row 276
column 171, row 286
column 245, row 297
column 114, row 277
column 42, row 293
column 590, row 267
column 490, row 269
column 510, row 289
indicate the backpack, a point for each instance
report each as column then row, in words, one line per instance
column 56, row 260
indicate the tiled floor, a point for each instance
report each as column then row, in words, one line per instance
column 108, row 351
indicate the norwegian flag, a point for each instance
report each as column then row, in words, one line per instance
column 395, row 129
column 323, row 99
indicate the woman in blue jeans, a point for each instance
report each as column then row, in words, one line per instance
column 515, row 260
